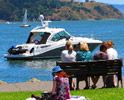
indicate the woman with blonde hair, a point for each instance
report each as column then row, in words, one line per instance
column 84, row 55
column 68, row 55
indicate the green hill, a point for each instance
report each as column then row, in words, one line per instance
column 13, row 10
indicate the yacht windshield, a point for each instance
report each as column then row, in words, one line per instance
column 60, row 35
column 38, row 38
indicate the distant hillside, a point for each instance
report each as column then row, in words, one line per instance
column 13, row 10
column 91, row 10
column 119, row 7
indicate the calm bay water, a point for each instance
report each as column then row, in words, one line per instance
column 21, row 71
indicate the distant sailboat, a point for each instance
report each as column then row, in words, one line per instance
column 8, row 22
column 25, row 20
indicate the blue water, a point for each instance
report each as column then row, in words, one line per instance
column 21, row 71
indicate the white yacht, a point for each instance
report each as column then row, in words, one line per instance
column 45, row 42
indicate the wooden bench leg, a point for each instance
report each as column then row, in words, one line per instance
column 120, row 83
column 117, row 82
column 77, row 84
column 87, row 82
column 121, row 80
column 88, row 78
column 70, row 83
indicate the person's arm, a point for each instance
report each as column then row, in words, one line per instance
column 62, row 56
column 77, row 57
column 88, row 56
column 54, row 87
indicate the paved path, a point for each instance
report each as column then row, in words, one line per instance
column 26, row 86
column 36, row 85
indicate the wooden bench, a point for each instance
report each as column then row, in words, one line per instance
column 83, row 70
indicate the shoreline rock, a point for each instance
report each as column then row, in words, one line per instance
column 34, row 80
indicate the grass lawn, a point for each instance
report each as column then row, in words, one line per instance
column 102, row 94
column 96, row 94
column 17, row 95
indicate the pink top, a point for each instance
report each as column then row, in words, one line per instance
column 62, row 88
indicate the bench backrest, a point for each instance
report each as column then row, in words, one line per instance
column 74, row 68
column 105, row 67
column 96, row 67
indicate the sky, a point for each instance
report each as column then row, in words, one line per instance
column 110, row 1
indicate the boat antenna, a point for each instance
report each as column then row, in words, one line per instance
column 44, row 24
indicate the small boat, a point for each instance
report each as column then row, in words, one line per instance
column 45, row 42
column 25, row 20
column 8, row 22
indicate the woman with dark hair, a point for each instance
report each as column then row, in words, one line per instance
column 100, row 55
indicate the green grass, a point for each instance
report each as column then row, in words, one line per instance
column 102, row 94
column 96, row 94
column 17, row 95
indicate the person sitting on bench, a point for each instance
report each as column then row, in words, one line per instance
column 84, row 55
column 100, row 55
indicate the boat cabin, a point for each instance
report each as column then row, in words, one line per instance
column 51, row 35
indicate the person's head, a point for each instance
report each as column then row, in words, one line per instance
column 70, row 48
column 83, row 46
column 103, row 48
column 58, row 71
column 69, row 45
column 108, row 44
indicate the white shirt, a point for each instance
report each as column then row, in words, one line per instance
column 112, row 53
column 67, row 56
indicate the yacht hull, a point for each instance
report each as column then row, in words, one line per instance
column 51, row 54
